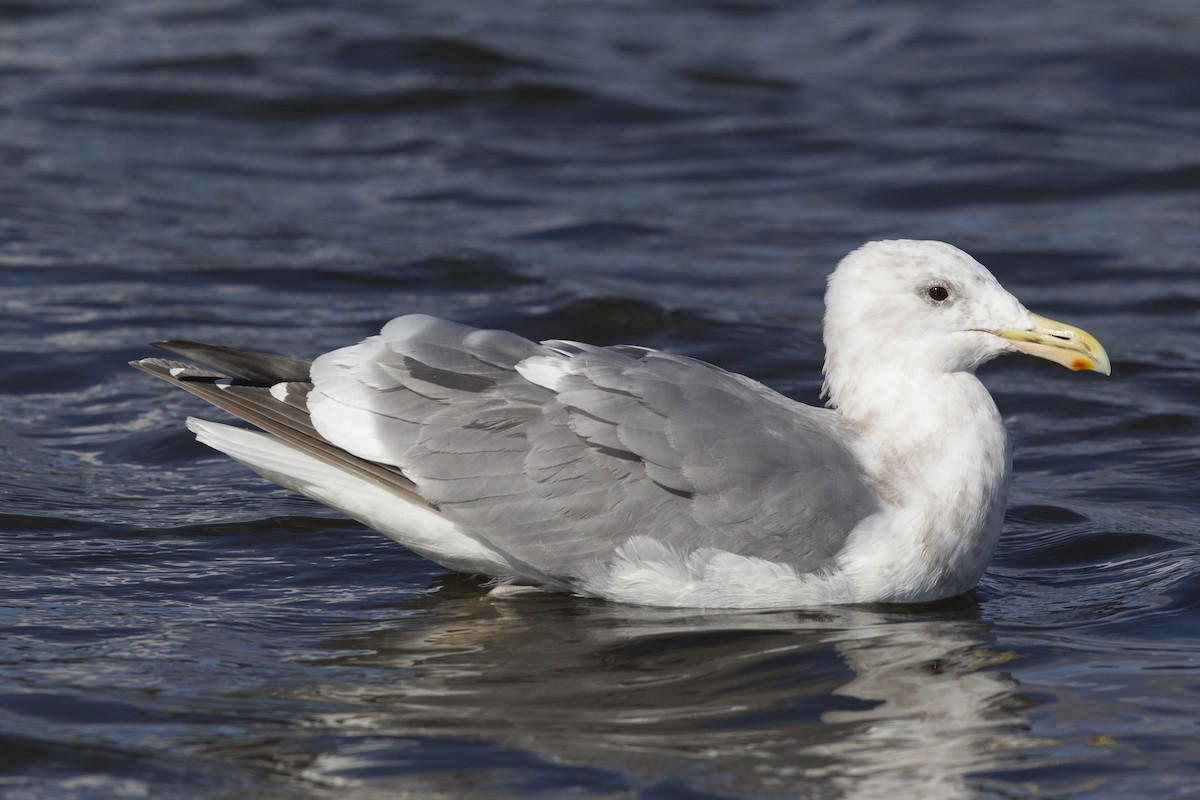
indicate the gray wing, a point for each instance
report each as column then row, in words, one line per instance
column 557, row 453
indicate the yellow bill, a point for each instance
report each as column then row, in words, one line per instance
column 1061, row 343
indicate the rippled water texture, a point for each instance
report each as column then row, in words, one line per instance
column 288, row 176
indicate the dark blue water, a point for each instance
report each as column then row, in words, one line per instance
column 288, row 176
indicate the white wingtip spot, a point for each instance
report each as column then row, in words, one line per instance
column 223, row 384
column 544, row 371
column 280, row 392
column 175, row 371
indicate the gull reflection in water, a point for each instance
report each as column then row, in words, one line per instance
column 844, row 703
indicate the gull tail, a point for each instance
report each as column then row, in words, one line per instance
column 270, row 393
column 419, row 528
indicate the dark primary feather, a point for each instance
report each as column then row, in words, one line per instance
column 287, row 420
column 260, row 369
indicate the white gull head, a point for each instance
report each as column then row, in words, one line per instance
column 904, row 308
column 907, row 323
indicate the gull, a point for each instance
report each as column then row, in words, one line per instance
column 642, row 476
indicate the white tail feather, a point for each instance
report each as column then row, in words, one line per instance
column 421, row 530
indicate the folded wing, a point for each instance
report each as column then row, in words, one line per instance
column 557, row 453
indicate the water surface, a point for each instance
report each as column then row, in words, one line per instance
column 681, row 175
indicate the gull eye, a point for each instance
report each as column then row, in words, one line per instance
column 938, row 293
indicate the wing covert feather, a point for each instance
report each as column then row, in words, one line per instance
column 606, row 444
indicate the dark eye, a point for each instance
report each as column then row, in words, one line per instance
column 938, row 293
